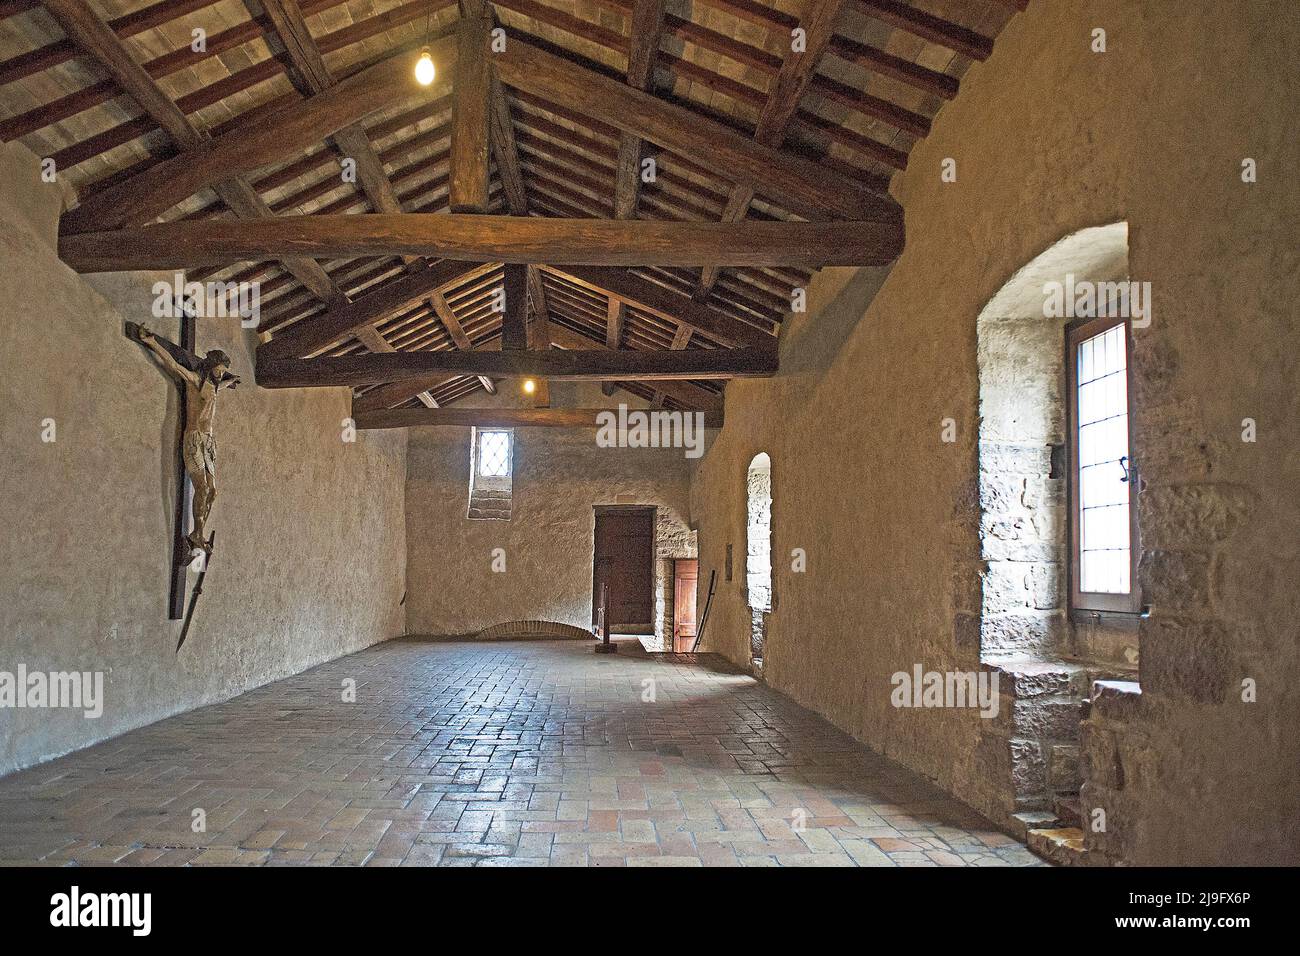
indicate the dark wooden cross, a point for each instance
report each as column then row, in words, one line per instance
column 182, row 352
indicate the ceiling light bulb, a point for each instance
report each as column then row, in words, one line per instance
column 424, row 70
column 530, row 386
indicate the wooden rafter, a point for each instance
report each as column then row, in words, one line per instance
column 629, row 288
column 96, row 38
column 797, row 69
column 647, row 26
column 260, row 142
column 314, row 334
column 451, row 323
column 314, row 77
column 795, row 182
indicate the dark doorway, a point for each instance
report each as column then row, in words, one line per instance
column 686, row 575
column 624, row 559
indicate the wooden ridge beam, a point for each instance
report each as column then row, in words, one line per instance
column 470, row 111
column 801, row 185
column 475, row 238
column 503, row 417
column 592, row 366
column 317, row 332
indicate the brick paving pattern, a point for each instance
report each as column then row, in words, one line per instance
column 516, row 754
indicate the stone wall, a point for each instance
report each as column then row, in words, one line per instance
column 1050, row 138
column 310, row 558
column 546, row 545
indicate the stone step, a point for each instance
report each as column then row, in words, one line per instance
column 1027, row 820
column 498, row 514
column 1067, row 809
column 1060, row 845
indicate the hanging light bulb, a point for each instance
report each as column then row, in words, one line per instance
column 424, row 69
column 530, row 386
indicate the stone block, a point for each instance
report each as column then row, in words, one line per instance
column 1046, row 718
column 1032, row 681
column 1099, row 755
column 1024, row 631
column 1007, row 458
column 1028, row 769
column 1000, row 494
column 1187, row 659
column 1063, row 773
column 1116, row 700
column 1178, row 581
column 1193, row 515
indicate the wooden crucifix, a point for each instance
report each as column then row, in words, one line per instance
column 198, row 378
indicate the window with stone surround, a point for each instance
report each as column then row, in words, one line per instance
column 758, row 550
column 491, row 466
column 1103, row 530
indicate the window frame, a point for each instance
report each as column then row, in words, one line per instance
column 482, row 433
column 1094, row 602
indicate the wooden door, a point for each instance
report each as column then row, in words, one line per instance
column 624, row 559
column 686, row 575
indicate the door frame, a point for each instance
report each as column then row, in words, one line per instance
column 596, row 512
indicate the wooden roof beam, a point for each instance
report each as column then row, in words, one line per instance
column 592, row 366
column 291, row 27
column 796, row 183
column 631, row 289
column 784, row 94
column 310, row 335
column 97, row 39
column 473, row 238
column 646, row 30
column 451, row 323
column 499, row 417
column 928, row 27
column 470, row 111
column 262, row 141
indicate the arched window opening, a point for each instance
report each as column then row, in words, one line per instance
column 758, row 551
column 1054, row 426
column 1058, row 531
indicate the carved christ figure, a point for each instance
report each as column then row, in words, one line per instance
column 202, row 378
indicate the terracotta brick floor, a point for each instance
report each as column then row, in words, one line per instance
column 510, row 754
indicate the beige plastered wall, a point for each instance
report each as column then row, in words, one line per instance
column 1050, row 137
column 310, row 559
column 560, row 476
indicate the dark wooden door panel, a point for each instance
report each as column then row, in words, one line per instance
column 624, row 559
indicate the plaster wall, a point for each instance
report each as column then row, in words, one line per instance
column 310, row 558
column 1050, row 138
column 559, row 476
